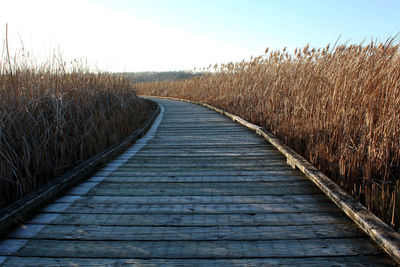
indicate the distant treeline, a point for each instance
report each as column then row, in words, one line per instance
column 139, row 77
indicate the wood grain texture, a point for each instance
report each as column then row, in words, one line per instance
column 198, row 233
column 349, row 261
column 194, row 219
column 203, row 192
column 198, row 249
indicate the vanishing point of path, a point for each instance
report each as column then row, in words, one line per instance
column 199, row 190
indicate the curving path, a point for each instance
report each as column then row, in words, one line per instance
column 197, row 190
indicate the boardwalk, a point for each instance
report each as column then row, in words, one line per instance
column 201, row 191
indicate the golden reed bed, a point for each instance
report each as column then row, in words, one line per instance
column 54, row 116
column 338, row 107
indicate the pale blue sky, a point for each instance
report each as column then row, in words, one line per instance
column 139, row 35
column 268, row 23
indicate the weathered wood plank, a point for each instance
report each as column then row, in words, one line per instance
column 214, row 145
column 191, row 179
column 209, row 148
column 123, row 171
column 206, row 164
column 120, row 208
column 215, row 159
column 203, row 153
column 170, row 233
column 198, row 249
column 201, row 126
column 254, row 146
column 179, row 219
column 194, row 199
column 304, row 184
column 188, row 152
column 177, row 170
column 208, row 138
column 216, row 172
column 211, row 140
column 155, row 190
column 348, row 261
column 207, row 142
column 178, row 160
column 206, row 129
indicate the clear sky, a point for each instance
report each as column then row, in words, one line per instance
column 157, row 35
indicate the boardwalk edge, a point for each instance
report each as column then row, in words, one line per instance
column 386, row 237
column 17, row 212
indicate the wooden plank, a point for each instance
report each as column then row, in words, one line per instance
column 179, row 219
column 251, row 186
column 214, row 162
column 240, row 160
column 281, row 185
column 205, row 184
column 127, row 171
column 201, row 133
column 162, row 137
column 193, row 152
column 215, row 145
column 211, row 158
column 188, row 121
column 148, row 178
column 203, row 129
column 211, row 139
column 224, row 125
column 233, row 146
column 199, row 173
column 194, row 199
column 191, row 137
column 171, row 233
column 203, row 154
column 211, row 149
column 199, row 167
column 233, row 137
column 199, row 149
column 121, row 208
column 202, row 126
column 155, row 190
column 348, row 261
column 133, row 164
column 207, row 143
column 198, row 249
column 199, row 158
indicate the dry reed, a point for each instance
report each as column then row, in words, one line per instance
column 338, row 107
column 54, row 116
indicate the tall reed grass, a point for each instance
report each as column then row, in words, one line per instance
column 53, row 116
column 338, row 107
